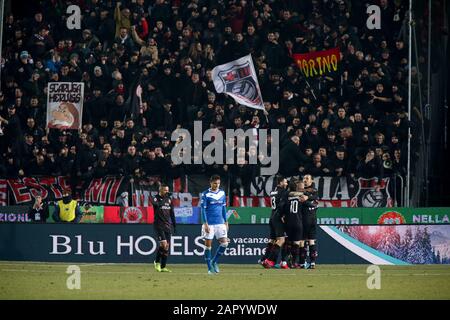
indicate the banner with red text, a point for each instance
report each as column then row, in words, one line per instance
column 22, row 191
column 318, row 63
column 332, row 191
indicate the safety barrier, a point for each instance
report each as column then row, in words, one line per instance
column 245, row 215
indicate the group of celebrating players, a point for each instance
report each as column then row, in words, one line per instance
column 292, row 224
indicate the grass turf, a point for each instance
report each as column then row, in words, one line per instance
column 26, row 280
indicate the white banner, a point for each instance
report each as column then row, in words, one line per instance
column 65, row 105
column 238, row 79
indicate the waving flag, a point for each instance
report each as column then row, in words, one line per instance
column 238, row 79
column 136, row 102
column 318, row 63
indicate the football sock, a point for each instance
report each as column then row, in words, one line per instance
column 302, row 255
column 220, row 251
column 295, row 253
column 164, row 255
column 208, row 257
column 313, row 253
column 158, row 255
column 285, row 251
column 274, row 253
column 267, row 252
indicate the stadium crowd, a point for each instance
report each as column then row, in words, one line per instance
column 352, row 122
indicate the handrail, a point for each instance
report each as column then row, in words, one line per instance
column 402, row 189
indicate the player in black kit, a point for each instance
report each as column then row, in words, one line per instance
column 278, row 198
column 164, row 225
column 294, row 220
column 309, row 218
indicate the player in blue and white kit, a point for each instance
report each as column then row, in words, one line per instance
column 213, row 206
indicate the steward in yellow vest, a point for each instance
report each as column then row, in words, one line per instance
column 67, row 210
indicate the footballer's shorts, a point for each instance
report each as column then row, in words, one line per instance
column 295, row 231
column 162, row 233
column 277, row 228
column 309, row 226
column 215, row 230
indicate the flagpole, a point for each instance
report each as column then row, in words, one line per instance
column 312, row 90
column 408, row 173
column 2, row 8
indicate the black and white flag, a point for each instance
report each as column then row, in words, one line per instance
column 238, row 79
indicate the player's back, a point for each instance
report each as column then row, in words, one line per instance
column 278, row 198
column 294, row 207
column 212, row 205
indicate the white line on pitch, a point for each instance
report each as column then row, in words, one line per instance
column 236, row 273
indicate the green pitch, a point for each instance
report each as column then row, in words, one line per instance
column 23, row 280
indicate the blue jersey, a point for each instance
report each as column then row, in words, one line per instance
column 213, row 205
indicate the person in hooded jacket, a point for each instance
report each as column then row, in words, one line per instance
column 67, row 209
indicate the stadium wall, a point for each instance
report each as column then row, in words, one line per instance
column 114, row 243
column 246, row 215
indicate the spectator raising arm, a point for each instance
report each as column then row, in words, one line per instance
column 136, row 37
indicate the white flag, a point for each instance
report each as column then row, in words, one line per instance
column 238, row 79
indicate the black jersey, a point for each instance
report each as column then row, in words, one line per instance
column 310, row 205
column 39, row 214
column 309, row 217
column 164, row 214
column 294, row 208
column 278, row 199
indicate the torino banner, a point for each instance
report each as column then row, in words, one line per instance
column 65, row 105
column 317, row 63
